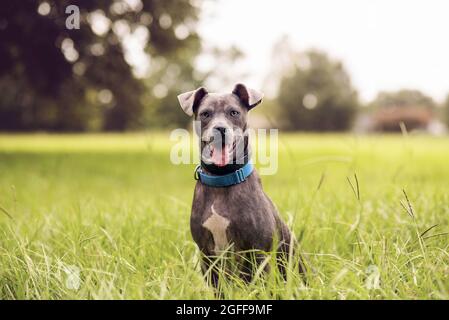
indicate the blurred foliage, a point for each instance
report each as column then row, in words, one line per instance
column 89, row 79
column 169, row 79
column 53, row 78
column 317, row 95
column 446, row 111
column 403, row 98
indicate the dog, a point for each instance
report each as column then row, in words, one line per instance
column 230, row 208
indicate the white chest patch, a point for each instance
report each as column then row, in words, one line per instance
column 217, row 225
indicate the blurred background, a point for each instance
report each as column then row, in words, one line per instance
column 350, row 65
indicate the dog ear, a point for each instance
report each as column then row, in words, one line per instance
column 190, row 100
column 249, row 97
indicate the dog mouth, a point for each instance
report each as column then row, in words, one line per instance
column 218, row 154
column 221, row 149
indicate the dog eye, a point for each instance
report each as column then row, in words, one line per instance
column 205, row 114
column 234, row 113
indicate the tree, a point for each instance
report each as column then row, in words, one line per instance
column 170, row 78
column 403, row 99
column 55, row 78
column 317, row 95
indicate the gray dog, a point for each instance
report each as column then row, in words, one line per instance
column 230, row 208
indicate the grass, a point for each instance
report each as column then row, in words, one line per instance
column 371, row 213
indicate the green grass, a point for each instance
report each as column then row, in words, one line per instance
column 114, row 207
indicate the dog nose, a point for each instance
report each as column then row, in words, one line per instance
column 222, row 130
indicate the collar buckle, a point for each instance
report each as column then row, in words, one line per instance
column 240, row 175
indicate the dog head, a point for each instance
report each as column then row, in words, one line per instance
column 221, row 122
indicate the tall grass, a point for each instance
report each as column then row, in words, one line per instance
column 107, row 217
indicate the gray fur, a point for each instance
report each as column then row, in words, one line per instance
column 252, row 222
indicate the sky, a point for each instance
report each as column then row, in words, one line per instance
column 384, row 45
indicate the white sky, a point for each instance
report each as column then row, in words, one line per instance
column 385, row 45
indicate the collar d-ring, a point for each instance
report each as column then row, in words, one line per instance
column 196, row 174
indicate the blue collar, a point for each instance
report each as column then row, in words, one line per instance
column 226, row 180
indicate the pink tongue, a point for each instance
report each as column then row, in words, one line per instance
column 220, row 156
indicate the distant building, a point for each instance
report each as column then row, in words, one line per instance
column 388, row 119
column 414, row 118
column 393, row 111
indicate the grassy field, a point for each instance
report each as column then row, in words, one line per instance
column 114, row 209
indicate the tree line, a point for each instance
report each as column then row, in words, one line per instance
column 58, row 79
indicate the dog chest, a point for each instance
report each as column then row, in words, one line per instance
column 217, row 225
